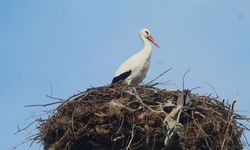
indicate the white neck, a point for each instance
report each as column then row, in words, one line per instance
column 147, row 49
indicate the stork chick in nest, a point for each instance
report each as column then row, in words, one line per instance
column 136, row 68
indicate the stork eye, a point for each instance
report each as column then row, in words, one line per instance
column 147, row 32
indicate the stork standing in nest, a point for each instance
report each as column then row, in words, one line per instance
column 136, row 68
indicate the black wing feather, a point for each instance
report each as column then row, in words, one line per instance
column 121, row 77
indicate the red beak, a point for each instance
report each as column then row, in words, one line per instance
column 150, row 38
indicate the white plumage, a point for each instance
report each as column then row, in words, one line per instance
column 136, row 68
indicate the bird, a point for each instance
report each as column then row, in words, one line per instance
column 136, row 68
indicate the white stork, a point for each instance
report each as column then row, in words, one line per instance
column 136, row 68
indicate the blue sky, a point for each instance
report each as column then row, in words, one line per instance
column 73, row 45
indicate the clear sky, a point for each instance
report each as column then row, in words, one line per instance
column 75, row 44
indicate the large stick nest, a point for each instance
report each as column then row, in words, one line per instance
column 122, row 117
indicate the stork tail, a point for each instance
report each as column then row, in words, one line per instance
column 121, row 77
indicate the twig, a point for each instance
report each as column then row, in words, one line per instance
column 217, row 96
column 117, row 132
column 43, row 105
column 51, row 88
column 248, row 144
column 28, row 139
column 150, row 82
column 72, row 120
column 229, row 123
column 55, row 98
column 243, row 118
column 183, row 78
column 132, row 137
column 26, row 127
column 113, row 103
column 141, row 101
column 201, row 129
column 154, row 143
column 197, row 87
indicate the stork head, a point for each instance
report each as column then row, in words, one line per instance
column 146, row 34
